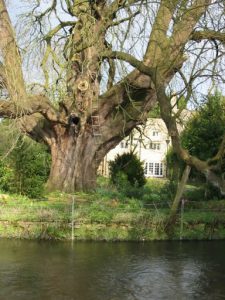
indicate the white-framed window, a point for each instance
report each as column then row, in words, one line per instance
column 157, row 169
column 153, row 169
column 154, row 146
column 155, row 133
column 124, row 144
column 146, row 168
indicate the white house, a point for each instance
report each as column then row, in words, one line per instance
column 151, row 146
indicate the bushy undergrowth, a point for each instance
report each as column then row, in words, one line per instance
column 25, row 169
column 6, row 175
column 155, row 190
column 160, row 191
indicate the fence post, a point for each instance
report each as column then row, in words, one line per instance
column 72, row 221
column 182, row 218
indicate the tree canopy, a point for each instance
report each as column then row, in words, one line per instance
column 105, row 64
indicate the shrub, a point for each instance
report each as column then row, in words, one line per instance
column 6, row 174
column 202, row 193
column 26, row 169
column 169, row 190
column 30, row 162
column 194, row 193
column 127, row 168
column 100, row 214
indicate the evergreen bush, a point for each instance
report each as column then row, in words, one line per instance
column 31, row 163
column 127, row 170
column 25, row 169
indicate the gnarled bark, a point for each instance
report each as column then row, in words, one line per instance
column 74, row 164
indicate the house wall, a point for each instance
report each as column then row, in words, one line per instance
column 151, row 147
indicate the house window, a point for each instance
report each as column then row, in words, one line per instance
column 157, row 169
column 154, row 146
column 153, row 169
column 155, row 133
column 124, row 144
column 146, row 169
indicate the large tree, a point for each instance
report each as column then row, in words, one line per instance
column 84, row 44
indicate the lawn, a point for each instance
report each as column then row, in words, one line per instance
column 108, row 214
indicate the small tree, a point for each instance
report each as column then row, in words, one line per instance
column 25, row 168
column 203, row 134
column 128, row 167
column 202, row 137
column 31, row 164
column 6, row 174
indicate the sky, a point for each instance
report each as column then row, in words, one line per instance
column 16, row 7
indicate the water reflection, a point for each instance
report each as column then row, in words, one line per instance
column 112, row 271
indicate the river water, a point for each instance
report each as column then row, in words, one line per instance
column 112, row 271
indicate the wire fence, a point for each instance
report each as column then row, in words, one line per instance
column 73, row 213
column 67, row 212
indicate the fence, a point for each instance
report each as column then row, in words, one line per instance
column 72, row 213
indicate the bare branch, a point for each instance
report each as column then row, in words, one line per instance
column 158, row 40
column 170, row 121
column 183, row 29
column 37, row 104
column 53, row 32
column 69, row 5
column 116, row 5
column 139, row 65
column 112, row 71
column 48, row 10
column 116, row 23
column 219, row 155
column 208, row 35
column 205, row 167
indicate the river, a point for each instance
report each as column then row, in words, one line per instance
column 112, row 271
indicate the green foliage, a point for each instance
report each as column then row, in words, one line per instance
column 169, row 189
column 107, row 219
column 175, row 165
column 6, row 173
column 202, row 137
column 157, row 190
column 194, row 193
column 155, row 112
column 31, row 164
column 204, row 132
column 182, row 103
column 25, row 169
column 127, row 169
column 202, row 193
column 100, row 214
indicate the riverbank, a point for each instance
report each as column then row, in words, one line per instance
column 89, row 217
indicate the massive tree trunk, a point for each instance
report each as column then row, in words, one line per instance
column 76, row 153
column 74, row 164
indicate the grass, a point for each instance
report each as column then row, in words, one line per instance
column 107, row 214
